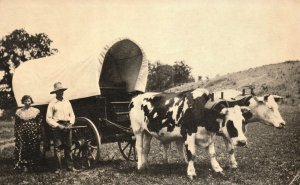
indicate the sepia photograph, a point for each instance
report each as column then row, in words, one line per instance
column 150, row 92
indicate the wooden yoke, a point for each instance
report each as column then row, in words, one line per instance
column 216, row 104
column 242, row 99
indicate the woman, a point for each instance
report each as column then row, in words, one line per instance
column 28, row 135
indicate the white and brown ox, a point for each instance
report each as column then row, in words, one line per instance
column 183, row 117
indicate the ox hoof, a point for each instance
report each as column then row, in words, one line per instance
column 218, row 170
column 141, row 167
column 233, row 166
column 192, row 176
column 165, row 161
column 221, row 173
column 142, row 170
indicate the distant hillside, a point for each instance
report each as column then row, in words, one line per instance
column 282, row 79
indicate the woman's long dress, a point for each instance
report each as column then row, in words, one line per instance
column 28, row 136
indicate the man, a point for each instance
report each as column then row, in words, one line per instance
column 60, row 116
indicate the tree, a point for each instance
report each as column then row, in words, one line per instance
column 207, row 78
column 164, row 77
column 16, row 48
column 160, row 77
column 151, row 83
column 200, row 78
column 182, row 73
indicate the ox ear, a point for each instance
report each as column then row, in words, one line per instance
column 277, row 98
column 266, row 97
column 247, row 114
column 224, row 111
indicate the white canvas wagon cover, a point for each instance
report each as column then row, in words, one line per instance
column 122, row 64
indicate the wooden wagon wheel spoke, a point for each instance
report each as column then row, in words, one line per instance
column 74, row 150
column 91, row 154
column 92, row 146
column 134, row 154
column 125, row 147
column 90, row 158
column 76, row 134
column 77, row 154
column 129, row 153
column 86, row 143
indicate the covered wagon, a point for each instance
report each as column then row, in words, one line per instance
column 100, row 88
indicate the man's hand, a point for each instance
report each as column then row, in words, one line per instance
column 68, row 124
column 61, row 127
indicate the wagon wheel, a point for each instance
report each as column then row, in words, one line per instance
column 127, row 149
column 86, row 143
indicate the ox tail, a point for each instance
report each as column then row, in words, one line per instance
column 130, row 106
column 135, row 93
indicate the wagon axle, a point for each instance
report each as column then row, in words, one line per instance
column 80, row 143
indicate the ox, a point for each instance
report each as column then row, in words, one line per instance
column 264, row 109
column 183, row 117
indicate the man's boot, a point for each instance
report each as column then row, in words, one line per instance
column 58, row 159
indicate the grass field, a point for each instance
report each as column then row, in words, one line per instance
column 272, row 158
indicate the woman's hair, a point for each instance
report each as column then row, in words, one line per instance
column 25, row 97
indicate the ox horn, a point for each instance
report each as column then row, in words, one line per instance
column 256, row 99
column 252, row 91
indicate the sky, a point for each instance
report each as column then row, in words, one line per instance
column 213, row 37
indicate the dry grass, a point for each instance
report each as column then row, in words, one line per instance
column 282, row 79
column 273, row 158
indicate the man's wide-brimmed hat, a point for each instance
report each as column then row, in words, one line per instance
column 58, row 87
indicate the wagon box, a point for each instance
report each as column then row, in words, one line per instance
column 100, row 88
